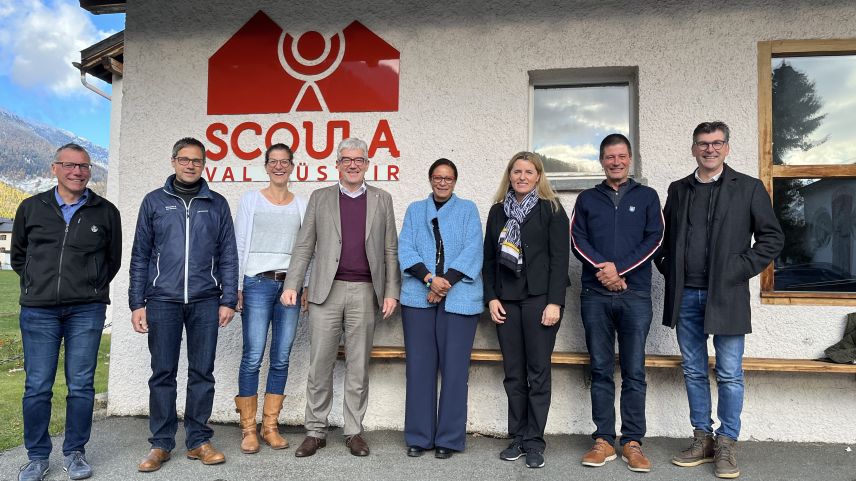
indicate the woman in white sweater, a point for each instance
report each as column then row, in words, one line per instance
column 266, row 229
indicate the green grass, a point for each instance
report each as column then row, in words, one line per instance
column 12, row 370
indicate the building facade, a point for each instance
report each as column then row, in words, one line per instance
column 460, row 80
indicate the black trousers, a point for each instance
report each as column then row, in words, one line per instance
column 526, row 347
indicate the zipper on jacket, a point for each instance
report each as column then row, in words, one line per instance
column 59, row 271
column 186, row 239
column 186, row 246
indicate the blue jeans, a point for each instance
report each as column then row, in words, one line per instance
column 79, row 327
column 262, row 309
column 167, row 321
column 627, row 314
column 729, row 368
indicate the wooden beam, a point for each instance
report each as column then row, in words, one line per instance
column 651, row 360
column 813, row 171
column 112, row 65
column 765, row 135
column 801, row 48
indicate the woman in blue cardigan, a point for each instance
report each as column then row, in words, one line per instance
column 441, row 299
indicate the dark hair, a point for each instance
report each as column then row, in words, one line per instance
column 188, row 142
column 614, row 139
column 278, row 147
column 711, row 127
column 74, row 147
column 442, row 161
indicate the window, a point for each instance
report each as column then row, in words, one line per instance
column 807, row 147
column 571, row 111
column 2, row 236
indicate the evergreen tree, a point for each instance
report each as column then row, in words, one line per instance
column 795, row 117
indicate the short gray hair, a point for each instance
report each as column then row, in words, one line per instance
column 351, row 143
column 188, row 142
column 74, row 147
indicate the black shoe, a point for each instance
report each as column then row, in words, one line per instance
column 512, row 452
column 415, row 451
column 443, row 453
column 534, row 458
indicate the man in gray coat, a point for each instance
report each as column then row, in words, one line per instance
column 350, row 227
column 707, row 259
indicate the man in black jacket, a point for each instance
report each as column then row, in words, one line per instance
column 617, row 227
column 184, row 278
column 66, row 248
column 708, row 259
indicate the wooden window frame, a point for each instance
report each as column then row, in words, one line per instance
column 767, row 51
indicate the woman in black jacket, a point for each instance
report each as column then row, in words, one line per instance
column 526, row 253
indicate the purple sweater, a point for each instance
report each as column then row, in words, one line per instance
column 353, row 263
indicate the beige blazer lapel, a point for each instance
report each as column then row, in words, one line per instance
column 333, row 205
column 371, row 210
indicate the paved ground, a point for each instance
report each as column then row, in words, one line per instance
column 118, row 443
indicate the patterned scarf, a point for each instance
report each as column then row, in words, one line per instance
column 510, row 254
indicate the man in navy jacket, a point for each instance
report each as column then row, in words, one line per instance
column 617, row 226
column 184, row 276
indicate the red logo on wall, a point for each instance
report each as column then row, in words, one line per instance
column 263, row 69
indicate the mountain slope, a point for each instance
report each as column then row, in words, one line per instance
column 27, row 149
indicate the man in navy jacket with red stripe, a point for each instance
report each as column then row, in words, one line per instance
column 616, row 228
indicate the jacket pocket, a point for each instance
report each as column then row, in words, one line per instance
column 93, row 274
column 213, row 277
column 735, row 269
column 157, row 270
column 27, row 277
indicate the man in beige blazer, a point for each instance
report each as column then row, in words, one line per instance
column 350, row 229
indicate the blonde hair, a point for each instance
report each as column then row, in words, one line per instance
column 544, row 188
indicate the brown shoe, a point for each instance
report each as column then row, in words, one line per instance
column 599, row 454
column 358, row 445
column 153, row 461
column 247, row 406
column 309, row 446
column 207, row 453
column 270, row 417
column 699, row 452
column 632, row 454
column 725, row 462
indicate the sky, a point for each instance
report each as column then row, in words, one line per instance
column 38, row 41
column 570, row 122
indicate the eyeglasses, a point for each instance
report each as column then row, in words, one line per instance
column 442, row 180
column 716, row 144
column 188, row 160
column 280, row 162
column 71, row 166
column 358, row 161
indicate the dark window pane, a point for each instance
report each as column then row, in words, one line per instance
column 818, row 217
column 813, row 110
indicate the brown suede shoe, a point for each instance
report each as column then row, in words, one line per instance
column 599, row 454
column 207, row 453
column 358, row 445
column 153, row 461
column 309, row 446
column 632, row 454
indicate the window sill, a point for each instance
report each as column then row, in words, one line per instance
column 808, row 298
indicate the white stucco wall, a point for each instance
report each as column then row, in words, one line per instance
column 464, row 95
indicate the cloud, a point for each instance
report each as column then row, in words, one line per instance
column 40, row 41
column 579, row 115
